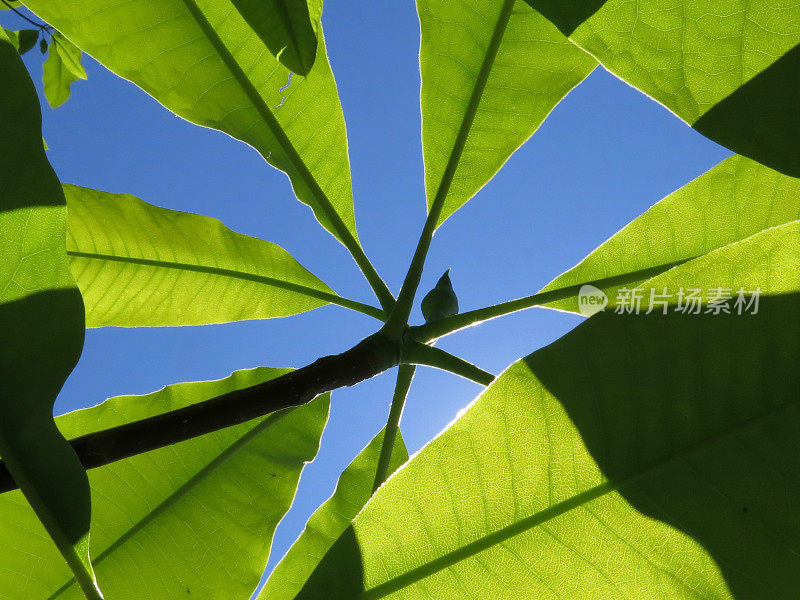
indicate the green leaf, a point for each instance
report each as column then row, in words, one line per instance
column 734, row 200
column 27, row 39
column 353, row 490
column 729, row 68
column 289, row 28
column 58, row 76
column 193, row 520
column 481, row 100
column 141, row 265
column 70, row 55
column 640, row 456
column 201, row 60
column 41, row 317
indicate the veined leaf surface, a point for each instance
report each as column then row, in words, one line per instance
column 141, row 265
column 289, row 28
column 640, row 456
column 41, row 319
column 734, row 200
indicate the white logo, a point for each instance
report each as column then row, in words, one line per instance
column 591, row 300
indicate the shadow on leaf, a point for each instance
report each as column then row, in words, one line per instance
column 695, row 420
column 761, row 119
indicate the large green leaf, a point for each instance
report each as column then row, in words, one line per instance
column 201, row 60
column 41, row 319
column 736, row 199
column 330, row 520
column 140, row 265
column 729, row 68
column 193, row 520
column 481, row 99
column 640, row 456
column 289, row 28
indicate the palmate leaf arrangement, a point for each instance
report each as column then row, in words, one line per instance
column 580, row 475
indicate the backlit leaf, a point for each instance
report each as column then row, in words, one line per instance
column 289, row 28
column 640, row 456
column 58, row 74
column 202, row 61
column 328, row 522
column 140, row 265
column 481, row 99
column 735, row 200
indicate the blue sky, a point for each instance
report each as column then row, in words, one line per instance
column 604, row 155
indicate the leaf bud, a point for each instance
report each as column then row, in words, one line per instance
column 441, row 301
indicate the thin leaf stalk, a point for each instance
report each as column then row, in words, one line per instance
column 405, row 375
column 421, row 354
column 448, row 325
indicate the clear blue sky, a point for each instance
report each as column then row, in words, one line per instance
column 604, row 155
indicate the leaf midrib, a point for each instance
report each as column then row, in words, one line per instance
column 471, row 110
column 473, row 548
column 222, row 272
column 181, row 491
column 266, row 114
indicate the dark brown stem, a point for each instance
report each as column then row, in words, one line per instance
column 368, row 358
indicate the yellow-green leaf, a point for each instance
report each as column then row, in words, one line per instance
column 58, row 75
column 140, row 265
column 70, row 55
column 201, row 60
column 353, row 490
column 491, row 73
column 289, row 28
column 734, row 200
column 640, row 456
